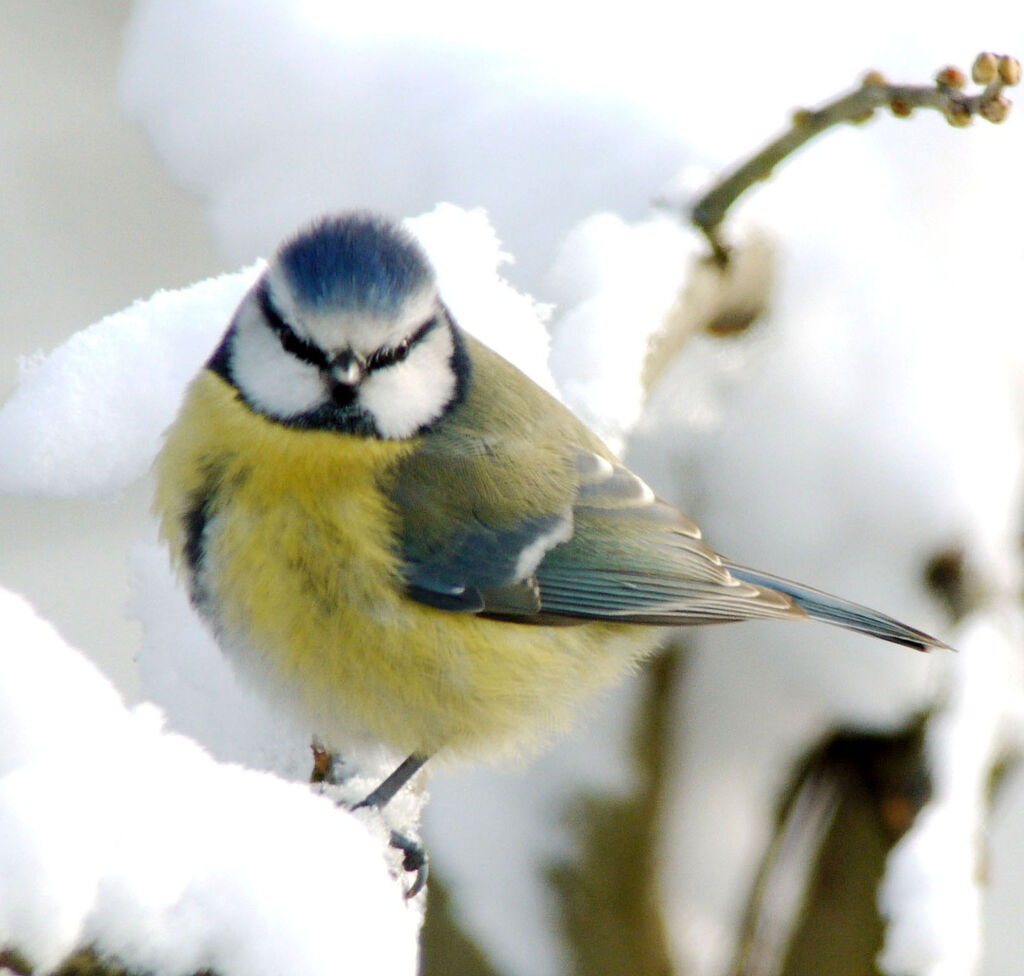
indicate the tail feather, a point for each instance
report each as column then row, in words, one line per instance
column 830, row 609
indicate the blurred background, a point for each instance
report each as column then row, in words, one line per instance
column 90, row 223
column 758, row 800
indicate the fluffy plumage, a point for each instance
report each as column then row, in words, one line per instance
column 396, row 530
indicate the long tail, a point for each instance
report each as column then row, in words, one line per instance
column 819, row 605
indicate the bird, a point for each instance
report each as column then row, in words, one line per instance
column 403, row 539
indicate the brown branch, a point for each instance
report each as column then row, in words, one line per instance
column 946, row 96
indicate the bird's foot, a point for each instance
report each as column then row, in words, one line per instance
column 414, row 859
column 331, row 770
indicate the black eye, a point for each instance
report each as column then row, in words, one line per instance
column 290, row 342
column 388, row 357
column 299, row 348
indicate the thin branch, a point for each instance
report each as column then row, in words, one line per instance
column 946, row 96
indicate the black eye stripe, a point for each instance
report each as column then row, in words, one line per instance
column 290, row 342
column 389, row 356
column 312, row 354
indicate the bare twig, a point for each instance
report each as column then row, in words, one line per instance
column 946, row 95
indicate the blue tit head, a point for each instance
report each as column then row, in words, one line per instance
column 345, row 331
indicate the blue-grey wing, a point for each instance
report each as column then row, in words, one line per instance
column 486, row 569
column 635, row 558
column 614, row 552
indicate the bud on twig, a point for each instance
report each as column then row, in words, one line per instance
column 947, row 96
column 985, row 68
column 958, row 115
column 951, row 78
column 1009, row 70
column 995, row 110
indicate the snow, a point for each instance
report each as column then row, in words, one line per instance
column 120, row 835
column 852, row 434
column 87, row 419
column 181, row 667
column 471, row 264
column 57, row 441
column 55, row 438
column 870, row 420
column 615, row 283
column 359, row 112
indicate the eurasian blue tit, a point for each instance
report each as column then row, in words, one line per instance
column 401, row 536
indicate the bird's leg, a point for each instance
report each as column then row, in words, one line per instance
column 414, row 856
column 384, row 793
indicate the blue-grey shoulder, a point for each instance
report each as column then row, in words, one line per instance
column 361, row 261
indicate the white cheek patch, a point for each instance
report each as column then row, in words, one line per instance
column 272, row 380
column 413, row 393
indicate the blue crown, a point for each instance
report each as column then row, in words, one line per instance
column 359, row 262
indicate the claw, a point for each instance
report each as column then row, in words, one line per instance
column 414, row 859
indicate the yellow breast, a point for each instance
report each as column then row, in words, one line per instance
column 301, row 580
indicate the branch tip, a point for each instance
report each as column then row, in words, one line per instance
column 985, row 68
column 946, row 95
column 1009, row 71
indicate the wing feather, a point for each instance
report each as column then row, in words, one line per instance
column 501, row 516
column 615, row 552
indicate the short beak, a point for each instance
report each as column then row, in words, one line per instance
column 348, row 369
